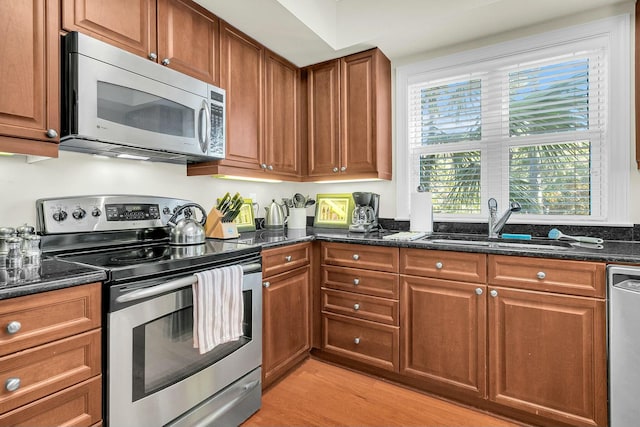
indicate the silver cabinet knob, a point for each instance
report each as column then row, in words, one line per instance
column 356, row 340
column 479, row 291
column 166, row 61
column 356, row 282
column 355, row 257
column 541, row 275
column 356, row 307
column 153, row 56
column 270, row 167
column 51, row 133
column 13, row 327
column 493, row 293
column 263, row 166
column 266, row 284
column 334, row 170
column 343, row 169
column 439, row 265
column 287, row 258
column 12, row 384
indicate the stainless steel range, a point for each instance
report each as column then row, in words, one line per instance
column 154, row 376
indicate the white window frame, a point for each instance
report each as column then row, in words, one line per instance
column 616, row 33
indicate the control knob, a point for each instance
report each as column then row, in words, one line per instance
column 96, row 212
column 166, row 210
column 59, row 215
column 79, row 213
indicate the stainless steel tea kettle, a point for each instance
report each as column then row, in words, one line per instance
column 187, row 231
column 274, row 217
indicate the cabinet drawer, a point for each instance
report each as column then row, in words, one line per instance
column 367, row 342
column 553, row 275
column 80, row 405
column 48, row 316
column 462, row 266
column 377, row 258
column 361, row 281
column 278, row 260
column 49, row 368
column 365, row 307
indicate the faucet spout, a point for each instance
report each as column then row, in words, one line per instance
column 496, row 224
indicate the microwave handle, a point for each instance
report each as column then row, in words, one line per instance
column 203, row 137
column 176, row 284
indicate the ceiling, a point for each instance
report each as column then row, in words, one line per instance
column 310, row 31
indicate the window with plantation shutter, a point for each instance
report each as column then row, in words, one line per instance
column 530, row 121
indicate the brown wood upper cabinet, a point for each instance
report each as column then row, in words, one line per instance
column 29, row 71
column 349, row 113
column 176, row 33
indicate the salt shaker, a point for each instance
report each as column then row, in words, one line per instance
column 31, row 256
column 14, row 259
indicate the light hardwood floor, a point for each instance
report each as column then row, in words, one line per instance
column 320, row 394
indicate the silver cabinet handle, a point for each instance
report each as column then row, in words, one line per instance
column 356, row 340
column 493, row 293
column 287, row 258
column 12, row 384
column 541, row 275
column 13, row 327
column 439, row 265
column 266, row 284
column 153, row 56
column 270, row 167
column 479, row 291
column 334, row 170
column 51, row 133
column 356, row 282
column 356, row 307
column 356, row 257
column 263, row 166
column 166, row 61
column 343, row 169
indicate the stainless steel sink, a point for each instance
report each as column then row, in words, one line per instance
column 469, row 240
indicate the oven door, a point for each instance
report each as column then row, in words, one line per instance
column 156, row 377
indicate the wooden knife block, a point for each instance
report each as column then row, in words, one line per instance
column 215, row 228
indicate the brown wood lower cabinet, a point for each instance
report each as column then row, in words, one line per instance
column 286, row 311
column 547, row 355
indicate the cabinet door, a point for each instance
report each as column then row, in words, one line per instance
column 188, row 39
column 548, row 355
column 128, row 24
column 443, row 339
column 241, row 74
column 285, row 322
column 29, row 76
column 281, row 152
column 323, row 82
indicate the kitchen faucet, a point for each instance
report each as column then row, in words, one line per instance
column 495, row 224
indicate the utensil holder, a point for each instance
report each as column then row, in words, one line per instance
column 215, row 228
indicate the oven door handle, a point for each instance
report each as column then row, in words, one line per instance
column 176, row 284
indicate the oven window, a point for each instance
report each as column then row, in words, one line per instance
column 134, row 108
column 163, row 352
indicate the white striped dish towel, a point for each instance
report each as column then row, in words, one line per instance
column 218, row 308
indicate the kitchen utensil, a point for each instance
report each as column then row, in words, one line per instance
column 274, row 216
column 557, row 234
column 233, row 211
column 187, row 231
column 309, row 202
column 299, row 200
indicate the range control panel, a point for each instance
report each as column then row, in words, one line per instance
column 104, row 213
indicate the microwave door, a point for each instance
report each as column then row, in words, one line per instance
column 127, row 110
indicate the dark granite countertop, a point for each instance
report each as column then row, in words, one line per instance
column 53, row 274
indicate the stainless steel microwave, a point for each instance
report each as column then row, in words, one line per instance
column 117, row 104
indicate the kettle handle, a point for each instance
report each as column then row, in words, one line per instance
column 172, row 220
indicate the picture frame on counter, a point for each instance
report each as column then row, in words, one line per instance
column 333, row 210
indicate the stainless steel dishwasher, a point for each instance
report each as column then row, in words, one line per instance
column 624, row 345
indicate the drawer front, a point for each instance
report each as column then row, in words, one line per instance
column 49, row 368
column 80, row 405
column 361, row 306
column 48, row 316
column 278, row 260
column 379, row 258
column 366, row 342
column 553, row 275
column 361, row 281
column 462, row 266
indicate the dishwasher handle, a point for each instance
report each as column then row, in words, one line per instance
column 176, row 284
column 632, row 285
